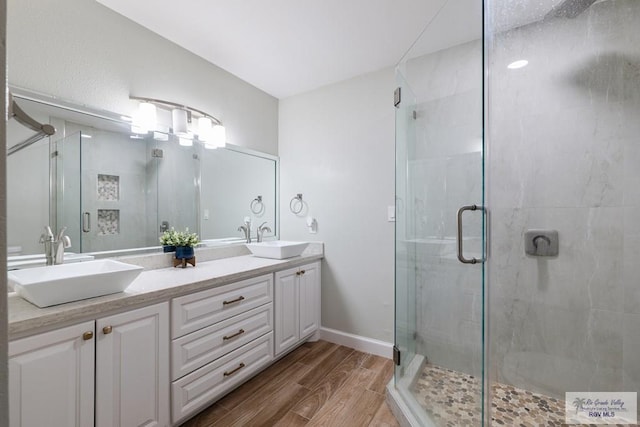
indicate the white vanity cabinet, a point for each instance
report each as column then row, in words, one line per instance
column 297, row 305
column 220, row 338
column 159, row 365
column 51, row 378
column 132, row 368
column 124, row 358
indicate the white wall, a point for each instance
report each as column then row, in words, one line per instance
column 81, row 51
column 337, row 148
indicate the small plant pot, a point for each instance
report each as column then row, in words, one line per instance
column 184, row 252
column 167, row 248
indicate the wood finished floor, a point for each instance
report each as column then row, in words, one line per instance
column 318, row 384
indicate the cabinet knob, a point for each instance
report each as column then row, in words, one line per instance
column 107, row 330
column 302, row 272
column 87, row 335
column 297, row 273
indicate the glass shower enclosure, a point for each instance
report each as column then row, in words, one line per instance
column 530, row 110
column 440, row 223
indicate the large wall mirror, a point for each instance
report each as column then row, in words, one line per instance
column 116, row 191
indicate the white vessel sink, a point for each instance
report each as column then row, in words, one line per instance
column 57, row 284
column 277, row 249
column 37, row 260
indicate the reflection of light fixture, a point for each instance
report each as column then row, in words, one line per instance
column 209, row 130
column 518, row 64
column 159, row 136
column 186, row 142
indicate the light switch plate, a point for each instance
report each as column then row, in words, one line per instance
column 391, row 213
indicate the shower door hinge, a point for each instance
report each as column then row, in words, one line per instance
column 397, row 97
column 396, row 355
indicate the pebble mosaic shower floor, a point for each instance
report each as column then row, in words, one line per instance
column 452, row 398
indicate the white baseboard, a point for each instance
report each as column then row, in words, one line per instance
column 357, row 342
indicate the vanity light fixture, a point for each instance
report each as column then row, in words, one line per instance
column 207, row 129
column 180, row 121
column 145, row 118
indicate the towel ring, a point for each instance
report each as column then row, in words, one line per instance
column 296, row 209
column 256, row 205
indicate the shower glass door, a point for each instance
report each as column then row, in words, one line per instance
column 439, row 170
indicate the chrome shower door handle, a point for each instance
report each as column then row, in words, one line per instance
column 461, row 257
column 86, row 222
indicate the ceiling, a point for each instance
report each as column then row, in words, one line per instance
column 286, row 47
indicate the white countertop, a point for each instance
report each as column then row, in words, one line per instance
column 149, row 287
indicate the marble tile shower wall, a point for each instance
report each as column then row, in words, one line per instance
column 564, row 155
column 445, row 173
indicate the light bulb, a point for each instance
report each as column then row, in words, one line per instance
column 218, row 136
column 179, row 118
column 147, row 116
column 205, row 126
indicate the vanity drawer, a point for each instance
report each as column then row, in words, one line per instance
column 200, row 388
column 194, row 350
column 202, row 309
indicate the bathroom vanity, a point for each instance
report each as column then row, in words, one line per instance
column 170, row 345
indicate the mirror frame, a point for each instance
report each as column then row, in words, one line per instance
column 119, row 119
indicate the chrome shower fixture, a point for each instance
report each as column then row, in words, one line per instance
column 43, row 129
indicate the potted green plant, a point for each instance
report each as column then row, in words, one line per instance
column 168, row 239
column 184, row 243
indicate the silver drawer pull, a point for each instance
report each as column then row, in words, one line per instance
column 228, row 337
column 240, row 298
column 233, row 371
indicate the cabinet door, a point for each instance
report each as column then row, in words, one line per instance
column 309, row 289
column 132, row 368
column 51, row 378
column 286, row 309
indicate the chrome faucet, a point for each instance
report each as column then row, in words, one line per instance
column 246, row 229
column 260, row 231
column 54, row 245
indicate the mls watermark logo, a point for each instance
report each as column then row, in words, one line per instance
column 601, row 408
